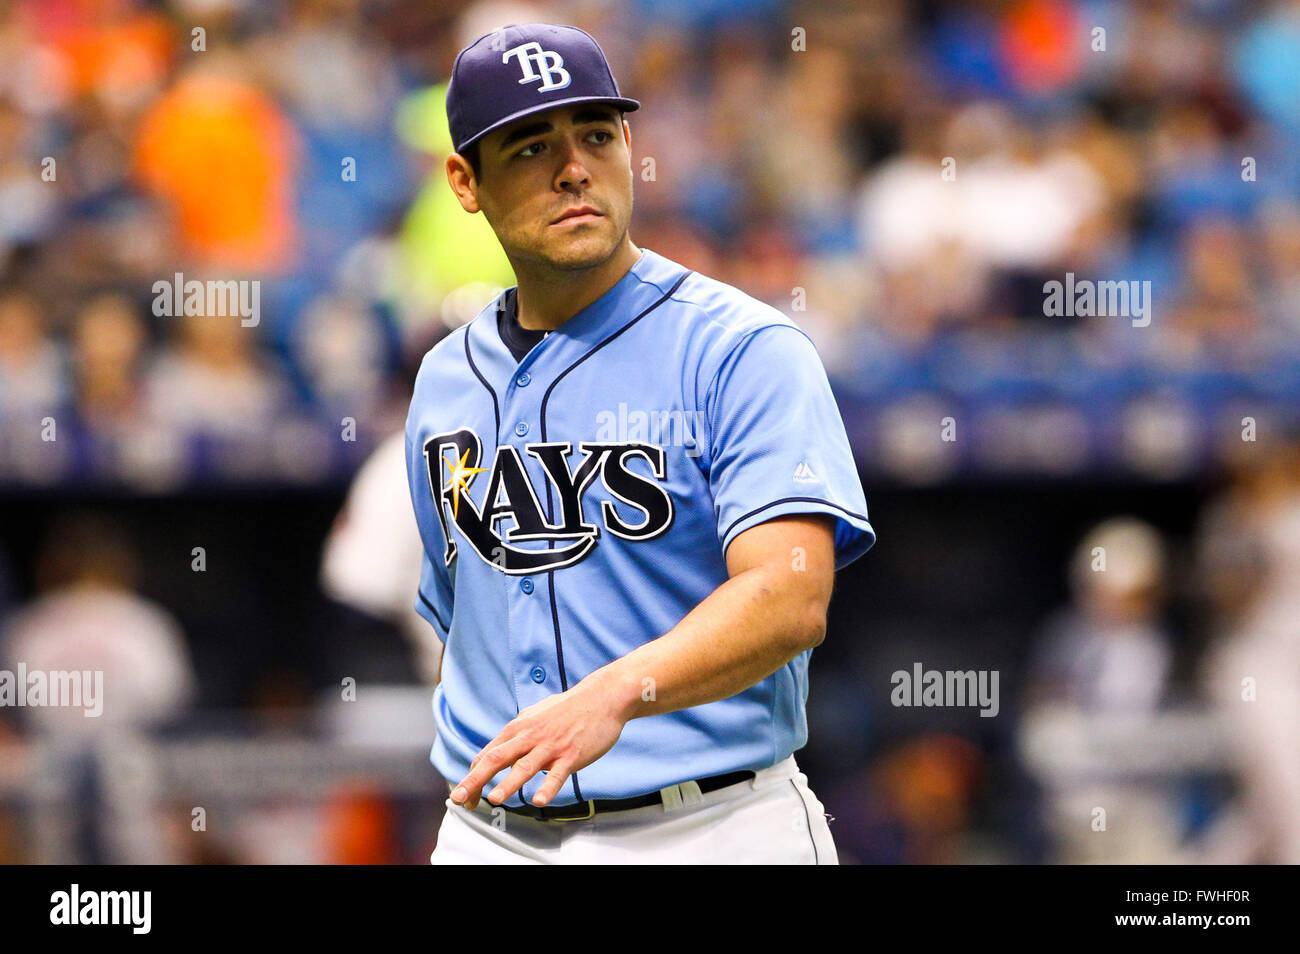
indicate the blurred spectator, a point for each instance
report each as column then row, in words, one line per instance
column 1280, row 291
column 214, row 380
column 372, row 555
column 1109, row 652
column 1251, row 543
column 32, row 382
column 1007, row 202
column 220, row 153
column 108, row 342
column 111, row 50
column 450, row 263
column 1105, row 658
column 27, row 204
column 89, row 618
column 342, row 349
column 328, row 67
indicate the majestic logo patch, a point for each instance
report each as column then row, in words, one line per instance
column 539, row 64
column 454, row 462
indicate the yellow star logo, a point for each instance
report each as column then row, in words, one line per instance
column 458, row 480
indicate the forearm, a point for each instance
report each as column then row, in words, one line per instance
column 771, row 608
column 749, row 627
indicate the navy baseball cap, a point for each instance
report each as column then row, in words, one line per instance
column 522, row 69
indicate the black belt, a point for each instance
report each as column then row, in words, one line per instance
column 583, row 810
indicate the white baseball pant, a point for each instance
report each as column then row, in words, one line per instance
column 773, row 819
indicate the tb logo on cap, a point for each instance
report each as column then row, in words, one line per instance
column 532, row 59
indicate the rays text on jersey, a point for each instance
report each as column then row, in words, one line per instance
column 455, row 462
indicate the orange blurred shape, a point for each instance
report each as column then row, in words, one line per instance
column 360, row 827
column 1042, row 43
column 220, row 154
column 117, row 56
column 932, row 780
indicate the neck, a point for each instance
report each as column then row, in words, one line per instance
column 548, row 297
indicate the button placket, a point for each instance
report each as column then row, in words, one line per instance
column 527, row 616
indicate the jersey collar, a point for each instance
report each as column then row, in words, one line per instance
column 649, row 278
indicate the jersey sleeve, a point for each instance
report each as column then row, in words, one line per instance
column 433, row 601
column 777, row 442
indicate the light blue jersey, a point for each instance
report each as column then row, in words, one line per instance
column 578, row 503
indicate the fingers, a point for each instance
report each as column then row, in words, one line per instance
column 556, row 776
column 540, row 738
column 492, row 759
column 524, row 769
column 472, row 801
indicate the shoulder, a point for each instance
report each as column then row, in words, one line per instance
column 718, row 318
column 447, row 354
column 725, row 310
column 450, row 361
column 445, row 370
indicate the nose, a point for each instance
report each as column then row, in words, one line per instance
column 573, row 175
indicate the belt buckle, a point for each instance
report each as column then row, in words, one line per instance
column 591, row 813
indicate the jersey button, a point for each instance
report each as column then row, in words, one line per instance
column 526, row 585
column 524, row 380
column 538, row 674
column 521, row 428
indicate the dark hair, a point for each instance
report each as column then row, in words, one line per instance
column 471, row 156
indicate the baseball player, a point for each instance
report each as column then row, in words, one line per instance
column 633, row 488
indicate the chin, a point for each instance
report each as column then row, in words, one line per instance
column 580, row 253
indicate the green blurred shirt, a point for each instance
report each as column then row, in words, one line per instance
column 443, row 248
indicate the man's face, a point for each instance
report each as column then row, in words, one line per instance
column 543, row 166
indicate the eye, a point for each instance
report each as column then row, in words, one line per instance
column 603, row 132
column 525, row 154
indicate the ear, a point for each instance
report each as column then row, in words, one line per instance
column 627, row 136
column 461, row 179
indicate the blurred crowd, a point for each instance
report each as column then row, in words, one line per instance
column 901, row 177
column 1152, row 716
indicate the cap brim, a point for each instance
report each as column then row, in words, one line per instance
column 626, row 105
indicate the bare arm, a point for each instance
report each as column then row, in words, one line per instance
column 772, row 607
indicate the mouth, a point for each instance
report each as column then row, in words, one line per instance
column 578, row 215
